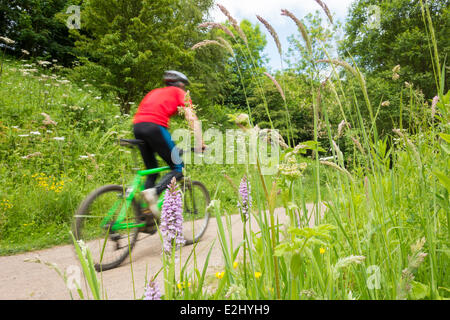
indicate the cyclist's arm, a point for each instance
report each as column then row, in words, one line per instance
column 195, row 125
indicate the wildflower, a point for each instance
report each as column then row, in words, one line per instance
column 7, row 40
column 183, row 285
column 32, row 155
column 322, row 250
column 23, row 135
column 35, row 133
column 59, row 138
column 395, row 76
column 433, row 106
column 385, row 104
column 172, row 218
column 291, row 169
column 5, row 204
column 242, row 119
column 47, row 120
column 258, row 275
column 235, row 265
column 396, row 69
column 25, row 52
column 219, row 275
column 246, row 199
column 44, row 63
column 152, row 291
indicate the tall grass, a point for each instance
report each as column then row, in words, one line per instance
column 382, row 232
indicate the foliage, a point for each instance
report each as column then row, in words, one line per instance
column 245, row 68
column 36, row 28
column 401, row 39
column 131, row 43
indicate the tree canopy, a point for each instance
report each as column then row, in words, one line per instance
column 400, row 38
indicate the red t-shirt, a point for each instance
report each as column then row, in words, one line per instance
column 159, row 105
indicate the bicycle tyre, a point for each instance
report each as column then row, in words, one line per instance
column 81, row 233
column 196, row 218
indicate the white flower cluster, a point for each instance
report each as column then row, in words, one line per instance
column 292, row 169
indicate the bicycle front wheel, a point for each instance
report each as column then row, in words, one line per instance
column 195, row 214
column 95, row 224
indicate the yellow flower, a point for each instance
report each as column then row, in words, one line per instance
column 182, row 285
column 258, row 275
column 219, row 275
column 235, row 265
column 322, row 250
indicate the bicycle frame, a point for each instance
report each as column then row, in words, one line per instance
column 137, row 186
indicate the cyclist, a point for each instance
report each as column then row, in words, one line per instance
column 151, row 122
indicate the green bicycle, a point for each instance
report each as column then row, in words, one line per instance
column 111, row 217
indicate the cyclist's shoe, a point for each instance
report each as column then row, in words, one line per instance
column 150, row 220
column 149, row 217
column 151, row 197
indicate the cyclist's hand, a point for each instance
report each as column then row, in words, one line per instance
column 201, row 149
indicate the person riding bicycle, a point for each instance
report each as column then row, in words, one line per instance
column 150, row 124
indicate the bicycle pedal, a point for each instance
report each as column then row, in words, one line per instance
column 115, row 236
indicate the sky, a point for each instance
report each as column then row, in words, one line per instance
column 271, row 11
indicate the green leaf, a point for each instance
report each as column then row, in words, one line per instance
column 296, row 262
column 445, row 136
column 445, row 148
column 445, row 181
column 419, row 291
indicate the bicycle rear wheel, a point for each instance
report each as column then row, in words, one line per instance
column 195, row 214
column 93, row 224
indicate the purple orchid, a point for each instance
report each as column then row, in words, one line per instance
column 246, row 199
column 152, row 291
column 172, row 218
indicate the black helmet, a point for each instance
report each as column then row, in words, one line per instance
column 172, row 77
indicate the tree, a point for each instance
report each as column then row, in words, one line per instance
column 245, row 70
column 131, row 43
column 35, row 27
column 299, row 58
column 400, row 38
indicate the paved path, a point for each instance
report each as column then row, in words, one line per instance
column 27, row 280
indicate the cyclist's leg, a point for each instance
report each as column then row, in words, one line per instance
column 167, row 150
column 142, row 131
